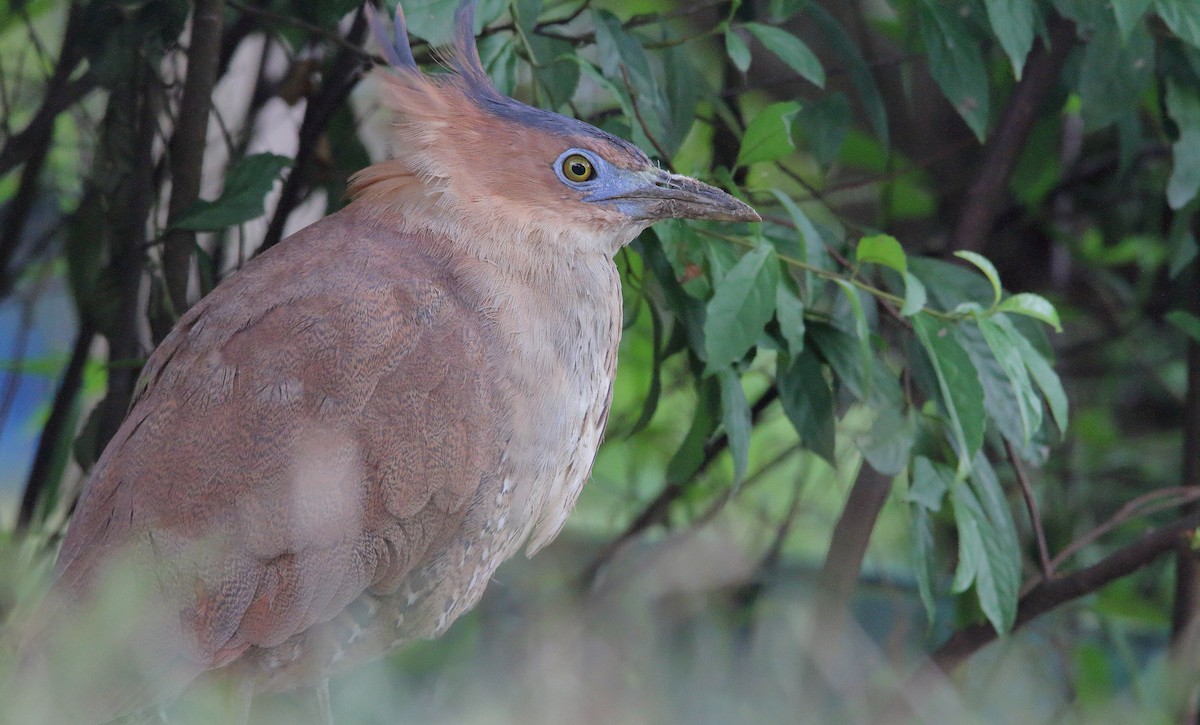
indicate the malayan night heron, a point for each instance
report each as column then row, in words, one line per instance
column 332, row 452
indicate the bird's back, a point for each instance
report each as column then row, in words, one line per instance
column 323, row 427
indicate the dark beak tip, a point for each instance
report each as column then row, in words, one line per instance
column 748, row 215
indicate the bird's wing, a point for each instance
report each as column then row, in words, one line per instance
column 307, row 431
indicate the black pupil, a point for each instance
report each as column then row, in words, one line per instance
column 578, row 168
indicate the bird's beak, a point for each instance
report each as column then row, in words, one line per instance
column 657, row 194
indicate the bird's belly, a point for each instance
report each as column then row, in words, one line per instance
column 557, row 420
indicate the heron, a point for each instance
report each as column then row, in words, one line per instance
column 332, row 452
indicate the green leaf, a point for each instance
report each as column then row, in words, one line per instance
column 780, row 10
column 654, row 394
column 869, row 380
column 431, row 20
column 620, row 55
column 1182, row 242
column 888, row 444
column 1000, row 398
column 1040, row 369
column 769, row 135
column 1186, row 322
column 690, row 456
column 499, row 57
column 688, row 310
column 246, row 186
column 682, row 95
column 988, row 270
column 861, row 331
column 861, row 75
column 735, row 417
column 825, row 123
column 914, row 296
column 554, row 72
column 741, row 306
column 1129, row 13
column 617, row 48
column 1031, row 305
column 989, row 554
column 924, row 566
column 950, row 285
column 882, row 249
column 737, row 49
column 929, row 485
column 789, row 311
column 811, row 248
column 1113, row 72
column 1013, row 22
column 958, row 381
column 1183, row 104
column 791, row 50
column 808, row 403
column 1008, row 356
column 1182, row 17
column 1003, row 547
column 956, row 63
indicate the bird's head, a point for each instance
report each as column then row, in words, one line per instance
column 465, row 152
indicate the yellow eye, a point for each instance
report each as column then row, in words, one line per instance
column 577, row 168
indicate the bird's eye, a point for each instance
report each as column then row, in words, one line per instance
column 577, row 168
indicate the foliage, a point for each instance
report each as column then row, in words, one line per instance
column 954, row 192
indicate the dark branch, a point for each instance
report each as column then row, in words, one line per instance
column 32, row 145
column 343, row 75
column 847, row 548
column 1049, row 595
column 188, row 144
column 138, row 103
column 1187, row 566
column 55, row 431
column 1035, row 518
column 986, row 195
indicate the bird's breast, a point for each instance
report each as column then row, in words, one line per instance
column 565, row 343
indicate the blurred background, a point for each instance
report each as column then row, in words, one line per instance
column 950, row 387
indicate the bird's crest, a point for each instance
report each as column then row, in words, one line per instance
column 463, row 56
column 444, row 124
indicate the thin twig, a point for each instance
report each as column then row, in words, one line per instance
column 1179, row 496
column 32, row 145
column 317, row 30
column 1035, row 518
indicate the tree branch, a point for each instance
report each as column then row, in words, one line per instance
column 53, row 433
column 136, row 102
column 1051, row 594
column 1185, row 614
column 985, row 197
column 188, row 145
column 32, row 145
column 847, row 548
column 343, row 75
column 1035, row 518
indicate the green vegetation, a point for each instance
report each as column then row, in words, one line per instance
column 924, row 444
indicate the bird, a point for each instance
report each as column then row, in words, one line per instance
column 331, row 453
